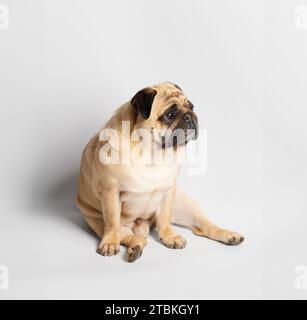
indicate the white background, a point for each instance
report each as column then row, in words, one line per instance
column 65, row 65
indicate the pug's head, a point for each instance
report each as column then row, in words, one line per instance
column 165, row 109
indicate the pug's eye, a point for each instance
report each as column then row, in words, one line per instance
column 170, row 115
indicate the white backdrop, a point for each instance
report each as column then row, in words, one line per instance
column 65, row 65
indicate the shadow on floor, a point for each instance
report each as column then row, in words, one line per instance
column 59, row 198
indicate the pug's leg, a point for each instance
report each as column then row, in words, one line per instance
column 163, row 223
column 96, row 225
column 92, row 217
column 135, row 243
column 187, row 213
column 111, row 209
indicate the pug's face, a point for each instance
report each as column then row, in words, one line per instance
column 165, row 109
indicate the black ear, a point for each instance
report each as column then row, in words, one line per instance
column 143, row 100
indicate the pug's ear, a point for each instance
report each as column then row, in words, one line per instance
column 142, row 101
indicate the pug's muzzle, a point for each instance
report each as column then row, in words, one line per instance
column 185, row 130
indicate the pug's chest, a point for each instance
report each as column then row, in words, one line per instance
column 144, row 189
column 140, row 205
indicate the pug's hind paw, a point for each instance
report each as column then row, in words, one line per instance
column 133, row 253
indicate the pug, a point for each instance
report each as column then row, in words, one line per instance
column 122, row 199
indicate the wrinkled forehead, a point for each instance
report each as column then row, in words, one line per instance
column 167, row 95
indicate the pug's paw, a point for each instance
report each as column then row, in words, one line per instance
column 231, row 238
column 134, row 253
column 174, row 242
column 109, row 245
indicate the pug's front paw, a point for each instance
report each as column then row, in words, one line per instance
column 174, row 242
column 109, row 245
